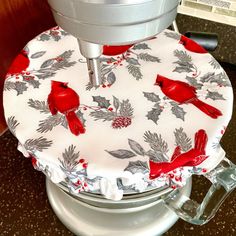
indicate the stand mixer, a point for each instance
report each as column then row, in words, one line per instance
column 111, row 22
column 117, row 163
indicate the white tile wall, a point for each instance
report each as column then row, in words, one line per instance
column 223, row 11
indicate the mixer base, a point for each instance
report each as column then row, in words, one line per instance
column 83, row 220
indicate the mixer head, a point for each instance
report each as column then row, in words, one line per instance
column 111, row 22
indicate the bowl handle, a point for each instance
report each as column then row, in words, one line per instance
column 223, row 179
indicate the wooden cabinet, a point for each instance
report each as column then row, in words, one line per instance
column 20, row 21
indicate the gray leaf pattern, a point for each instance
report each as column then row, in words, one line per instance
column 220, row 79
column 18, row 86
column 182, row 140
column 139, row 46
column 148, row 57
column 12, row 124
column 155, row 113
column 152, row 97
column 135, row 71
column 121, row 153
column 184, row 62
column 47, row 63
column 101, row 101
column 157, row 156
column 132, row 61
column 137, row 167
column 31, row 81
column 38, row 54
column 214, row 96
column 177, row 111
column 103, row 115
column 136, row 147
column 111, row 78
column 39, row 144
column 69, row 161
column 172, row 35
column 47, row 70
column 49, row 123
column 215, row 64
column 194, row 82
column 156, row 142
column 116, row 103
column 126, row 109
column 41, row 106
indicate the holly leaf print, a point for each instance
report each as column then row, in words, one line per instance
column 38, row 54
column 137, row 167
column 136, row 147
column 221, row 79
column 152, row 97
column 214, row 95
column 44, row 37
column 38, row 144
column 18, row 86
column 177, row 111
column 30, row 80
column 101, row 101
column 155, row 113
column 135, row 71
column 148, row 57
column 121, row 153
column 139, row 46
column 193, row 82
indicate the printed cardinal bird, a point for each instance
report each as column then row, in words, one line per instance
column 20, row 63
column 184, row 93
column 191, row 45
column 65, row 100
column 115, row 50
column 193, row 157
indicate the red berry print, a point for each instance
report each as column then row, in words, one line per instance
column 85, row 165
column 81, row 161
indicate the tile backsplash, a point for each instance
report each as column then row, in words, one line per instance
column 222, row 11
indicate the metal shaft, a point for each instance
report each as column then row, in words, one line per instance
column 94, row 71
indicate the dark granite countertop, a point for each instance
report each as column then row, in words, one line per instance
column 25, row 210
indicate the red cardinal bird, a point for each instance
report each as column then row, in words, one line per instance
column 20, row 63
column 184, row 93
column 191, row 45
column 193, row 157
column 65, row 100
column 115, row 50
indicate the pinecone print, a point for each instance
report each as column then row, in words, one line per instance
column 120, row 122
